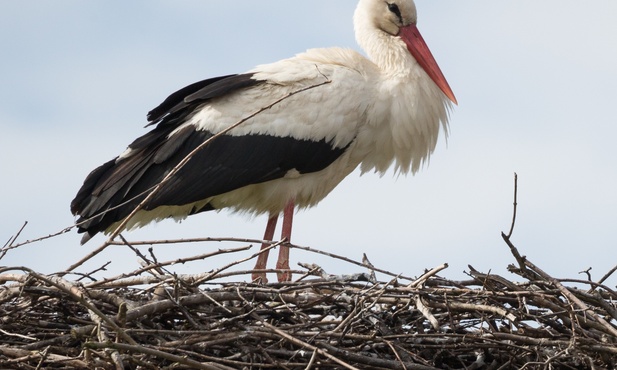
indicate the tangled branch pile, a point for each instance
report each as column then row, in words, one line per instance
column 156, row 320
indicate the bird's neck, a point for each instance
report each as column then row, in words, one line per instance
column 388, row 52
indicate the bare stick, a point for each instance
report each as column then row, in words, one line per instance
column 313, row 250
column 12, row 239
column 218, row 270
column 193, row 240
column 606, row 276
column 9, row 244
column 89, row 274
column 426, row 312
column 515, row 204
column 84, row 259
column 30, row 241
column 427, row 275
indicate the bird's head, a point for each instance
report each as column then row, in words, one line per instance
column 391, row 15
column 397, row 19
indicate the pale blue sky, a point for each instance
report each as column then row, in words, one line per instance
column 536, row 85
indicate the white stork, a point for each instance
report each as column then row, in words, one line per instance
column 387, row 109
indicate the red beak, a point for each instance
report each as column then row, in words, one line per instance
column 420, row 51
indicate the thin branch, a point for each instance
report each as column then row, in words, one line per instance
column 9, row 244
column 515, row 205
column 606, row 276
column 349, row 260
column 84, row 259
column 30, row 241
column 434, row 271
column 193, row 240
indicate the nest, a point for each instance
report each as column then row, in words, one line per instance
column 152, row 319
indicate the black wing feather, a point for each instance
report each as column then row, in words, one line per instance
column 199, row 92
column 231, row 162
column 178, row 97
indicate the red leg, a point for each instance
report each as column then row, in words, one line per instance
column 283, row 261
column 262, row 259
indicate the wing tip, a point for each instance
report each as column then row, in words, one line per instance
column 87, row 236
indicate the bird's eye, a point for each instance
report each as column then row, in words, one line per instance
column 394, row 9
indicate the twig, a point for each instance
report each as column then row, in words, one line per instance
column 30, row 241
column 89, row 274
column 9, row 243
column 101, row 333
column 587, row 272
column 225, row 267
column 606, row 276
column 342, row 258
column 312, row 360
column 84, row 259
column 515, row 205
column 434, row 271
column 193, row 240
column 367, row 263
column 17, row 335
column 519, row 259
column 145, row 261
column 426, row 312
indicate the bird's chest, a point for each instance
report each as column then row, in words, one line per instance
column 401, row 128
